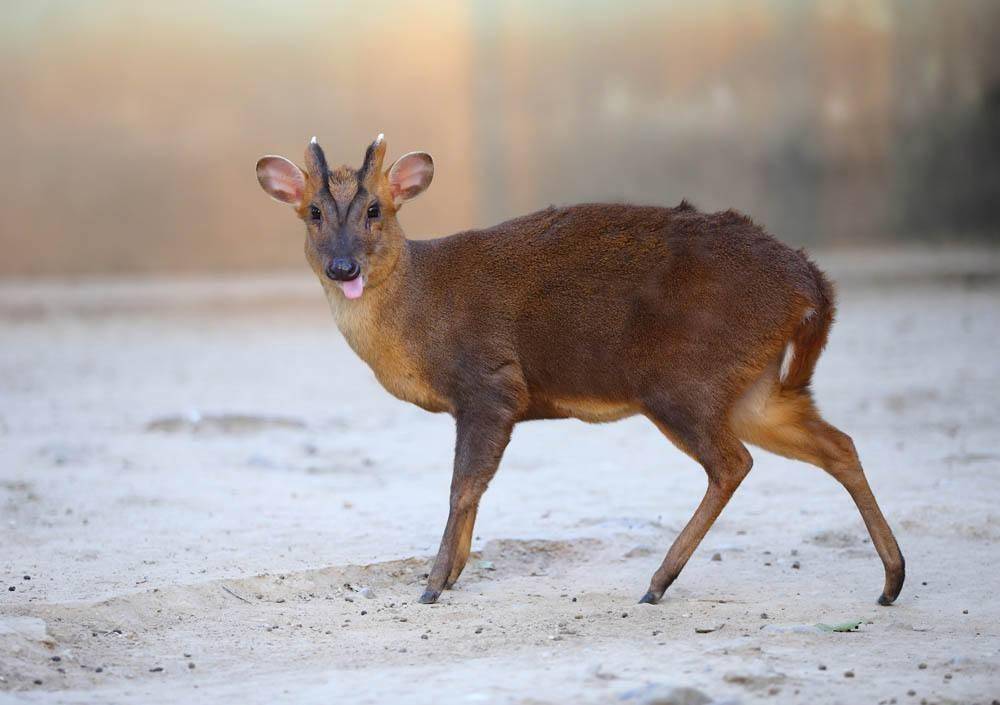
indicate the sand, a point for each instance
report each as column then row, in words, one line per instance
column 216, row 502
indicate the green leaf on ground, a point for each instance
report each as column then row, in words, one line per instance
column 842, row 627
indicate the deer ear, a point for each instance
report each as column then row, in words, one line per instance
column 409, row 176
column 282, row 180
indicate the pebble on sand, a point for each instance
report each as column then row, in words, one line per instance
column 656, row 694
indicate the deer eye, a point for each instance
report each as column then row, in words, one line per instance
column 315, row 213
column 374, row 211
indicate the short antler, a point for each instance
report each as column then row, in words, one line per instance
column 374, row 156
column 316, row 162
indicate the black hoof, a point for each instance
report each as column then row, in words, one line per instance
column 884, row 601
column 429, row 597
column 649, row 599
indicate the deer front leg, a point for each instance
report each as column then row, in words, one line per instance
column 481, row 440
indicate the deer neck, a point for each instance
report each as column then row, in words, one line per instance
column 378, row 328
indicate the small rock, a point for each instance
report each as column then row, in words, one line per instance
column 156, row 669
column 822, row 667
column 57, row 658
column 27, row 577
column 947, row 676
column 965, row 611
column 596, row 672
column 922, row 666
column 657, row 694
column 796, row 565
column 716, row 556
column 12, row 588
column 763, row 615
column 37, row 681
column 367, row 592
column 911, row 693
column 424, row 636
column 848, row 674
column 639, row 551
column 191, row 665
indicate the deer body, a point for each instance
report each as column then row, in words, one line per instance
column 701, row 322
column 512, row 298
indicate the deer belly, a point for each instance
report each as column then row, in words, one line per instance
column 593, row 410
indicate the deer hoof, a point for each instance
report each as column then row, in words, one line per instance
column 649, row 599
column 430, row 596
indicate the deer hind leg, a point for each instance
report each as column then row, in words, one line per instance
column 787, row 423
column 726, row 462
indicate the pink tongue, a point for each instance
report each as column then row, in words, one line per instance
column 354, row 287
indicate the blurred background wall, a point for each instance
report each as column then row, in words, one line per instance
column 130, row 130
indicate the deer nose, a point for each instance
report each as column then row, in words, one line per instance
column 343, row 269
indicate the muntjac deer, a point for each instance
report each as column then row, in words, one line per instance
column 701, row 322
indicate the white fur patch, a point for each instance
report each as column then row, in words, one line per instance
column 786, row 361
column 789, row 354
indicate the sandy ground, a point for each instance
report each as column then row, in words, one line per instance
column 215, row 502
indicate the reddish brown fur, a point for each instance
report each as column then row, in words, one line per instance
column 601, row 311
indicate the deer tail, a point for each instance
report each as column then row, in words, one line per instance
column 808, row 340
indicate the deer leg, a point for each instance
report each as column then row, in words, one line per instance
column 481, row 440
column 464, row 546
column 791, row 426
column 726, row 462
